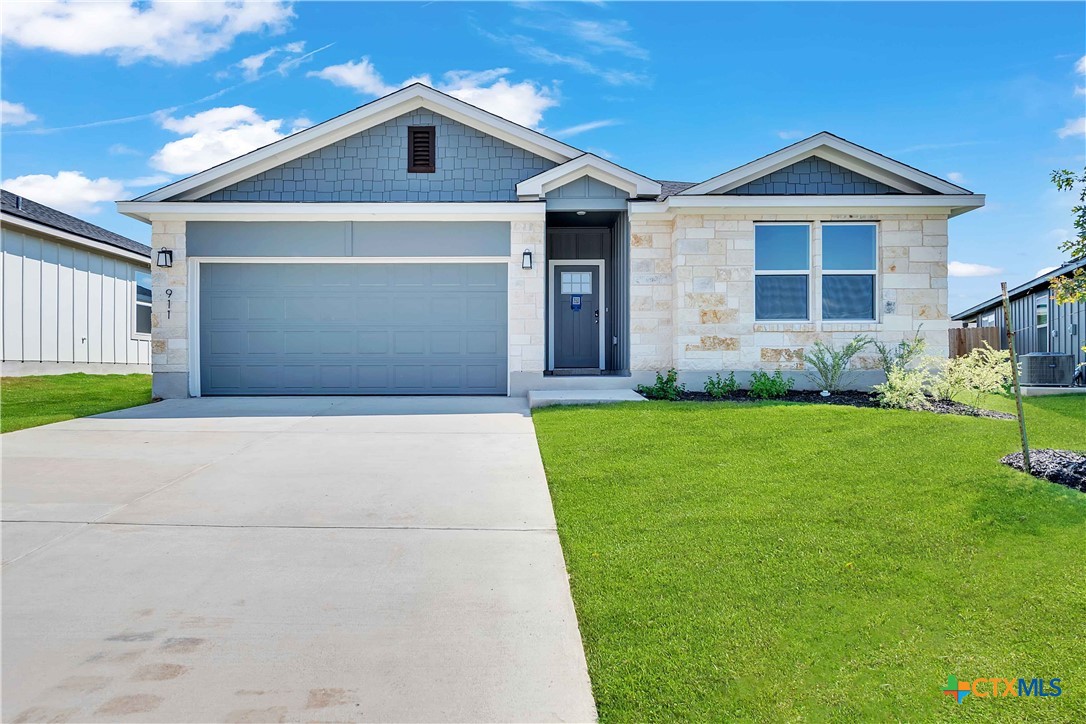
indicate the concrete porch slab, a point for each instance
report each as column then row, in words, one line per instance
column 1044, row 391
column 544, row 398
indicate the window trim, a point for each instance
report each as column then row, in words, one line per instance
column 808, row 272
column 136, row 303
column 431, row 135
column 1039, row 300
column 873, row 273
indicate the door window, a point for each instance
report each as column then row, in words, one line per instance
column 576, row 282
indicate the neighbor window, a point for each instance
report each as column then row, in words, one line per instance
column 142, row 303
column 782, row 271
column 848, row 271
column 421, row 149
column 988, row 320
column 1042, row 322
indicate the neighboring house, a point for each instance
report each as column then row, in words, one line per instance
column 76, row 297
column 420, row 245
column 1040, row 324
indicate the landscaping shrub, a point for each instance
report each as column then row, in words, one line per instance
column 983, row 370
column 828, row 366
column 720, row 387
column 764, row 386
column 665, row 388
column 901, row 355
column 905, row 388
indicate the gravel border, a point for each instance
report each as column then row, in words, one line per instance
column 1065, row 467
column 851, row 398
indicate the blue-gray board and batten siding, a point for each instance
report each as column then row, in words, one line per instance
column 353, row 328
column 371, row 166
column 1066, row 332
column 814, row 176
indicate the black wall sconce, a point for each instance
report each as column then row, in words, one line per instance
column 526, row 259
column 165, row 257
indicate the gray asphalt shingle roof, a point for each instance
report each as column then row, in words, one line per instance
column 33, row 211
column 669, row 188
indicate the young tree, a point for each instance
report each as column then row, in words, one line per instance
column 1073, row 287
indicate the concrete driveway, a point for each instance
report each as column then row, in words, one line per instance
column 287, row 559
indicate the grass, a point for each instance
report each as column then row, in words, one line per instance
column 805, row 562
column 32, row 401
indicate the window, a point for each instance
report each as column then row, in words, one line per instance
column 576, row 282
column 143, row 304
column 1041, row 308
column 782, row 271
column 421, row 150
column 988, row 320
column 848, row 271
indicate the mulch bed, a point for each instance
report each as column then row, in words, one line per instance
column 1058, row 466
column 851, row 398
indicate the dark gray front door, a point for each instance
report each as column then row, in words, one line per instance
column 303, row 329
column 577, row 309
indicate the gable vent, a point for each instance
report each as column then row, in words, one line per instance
column 421, row 151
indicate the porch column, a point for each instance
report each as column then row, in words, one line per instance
column 527, row 332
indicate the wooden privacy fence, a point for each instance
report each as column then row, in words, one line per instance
column 964, row 341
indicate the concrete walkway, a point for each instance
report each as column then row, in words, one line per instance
column 287, row 559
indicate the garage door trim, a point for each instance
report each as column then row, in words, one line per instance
column 194, row 291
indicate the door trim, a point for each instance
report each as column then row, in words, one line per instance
column 550, row 306
column 193, row 291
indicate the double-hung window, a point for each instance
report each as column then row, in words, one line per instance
column 848, row 271
column 142, row 305
column 782, row 272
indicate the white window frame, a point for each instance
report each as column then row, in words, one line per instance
column 984, row 318
column 873, row 273
column 1039, row 300
column 809, row 272
column 136, row 303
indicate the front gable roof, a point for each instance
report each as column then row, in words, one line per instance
column 589, row 164
column 376, row 112
column 836, row 150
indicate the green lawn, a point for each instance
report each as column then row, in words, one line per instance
column 32, row 401
column 804, row 562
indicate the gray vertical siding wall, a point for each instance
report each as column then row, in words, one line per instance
column 813, row 176
column 65, row 304
column 1066, row 325
column 372, row 166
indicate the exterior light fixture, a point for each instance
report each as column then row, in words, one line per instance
column 165, row 257
column 581, row 213
column 526, row 259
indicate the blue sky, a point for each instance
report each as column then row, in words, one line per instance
column 109, row 101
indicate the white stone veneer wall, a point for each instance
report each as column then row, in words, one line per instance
column 692, row 292
column 527, row 332
column 169, row 315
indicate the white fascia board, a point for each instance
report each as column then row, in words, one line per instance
column 837, row 150
column 598, row 168
column 333, row 211
column 957, row 204
column 356, row 121
column 27, row 225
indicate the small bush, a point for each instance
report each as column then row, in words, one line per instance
column 828, row 366
column 665, row 388
column 901, row 355
column 905, row 389
column 768, row 387
column 983, row 371
column 720, row 387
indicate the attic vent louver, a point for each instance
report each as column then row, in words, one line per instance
column 421, row 151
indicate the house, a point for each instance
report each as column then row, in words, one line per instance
column 76, row 297
column 421, row 245
column 1040, row 324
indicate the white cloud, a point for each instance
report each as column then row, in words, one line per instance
column 1045, row 270
column 69, row 191
column 584, row 128
column 523, row 102
column 1080, row 66
column 214, row 136
column 251, row 66
column 173, row 32
column 15, row 114
column 1073, row 127
column 531, row 49
column 967, row 269
column 956, row 177
column 790, row 135
column 120, row 149
column 601, row 37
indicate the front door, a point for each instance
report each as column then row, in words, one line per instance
column 578, row 308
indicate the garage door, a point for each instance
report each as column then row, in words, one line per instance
column 353, row 329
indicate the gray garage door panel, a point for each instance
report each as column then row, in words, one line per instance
column 351, row 329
